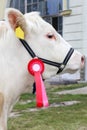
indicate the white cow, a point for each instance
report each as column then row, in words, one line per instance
column 45, row 42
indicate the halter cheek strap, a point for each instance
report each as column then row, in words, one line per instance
column 60, row 66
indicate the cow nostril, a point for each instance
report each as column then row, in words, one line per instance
column 83, row 59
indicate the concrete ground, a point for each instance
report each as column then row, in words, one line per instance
column 74, row 91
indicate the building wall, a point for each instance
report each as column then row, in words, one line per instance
column 2, row 8
column 84, row 29
column 72, row 25
column 75, row 28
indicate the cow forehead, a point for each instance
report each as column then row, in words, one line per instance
column 33, row 17
column 37, row 22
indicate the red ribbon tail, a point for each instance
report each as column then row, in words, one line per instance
column 41, row 97
column 44, row 95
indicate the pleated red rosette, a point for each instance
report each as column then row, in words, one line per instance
column 36, row 68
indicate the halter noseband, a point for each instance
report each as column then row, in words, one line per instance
column 60, row 66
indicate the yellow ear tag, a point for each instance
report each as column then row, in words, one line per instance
column 19, row 33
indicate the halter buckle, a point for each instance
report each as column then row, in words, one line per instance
column 62, row 66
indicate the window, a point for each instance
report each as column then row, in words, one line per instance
column 18, row 4
column 56, row 22
column 36, row 5
column 29, row 1
column 49, row 10
column 46, row 7
column 54, row 6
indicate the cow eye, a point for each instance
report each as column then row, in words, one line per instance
column 50, row 36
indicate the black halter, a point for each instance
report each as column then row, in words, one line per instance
column 60, row 66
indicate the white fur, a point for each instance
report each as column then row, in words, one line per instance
column 14, row 76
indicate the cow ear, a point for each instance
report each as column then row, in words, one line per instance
column 15, row 18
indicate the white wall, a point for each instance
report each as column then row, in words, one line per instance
column 2, row 8
column 75, row 28
column 72, row 25
column 84, row 25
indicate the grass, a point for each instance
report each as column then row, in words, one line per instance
column 72, row 117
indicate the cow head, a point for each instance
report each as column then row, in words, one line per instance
column 44, row 41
